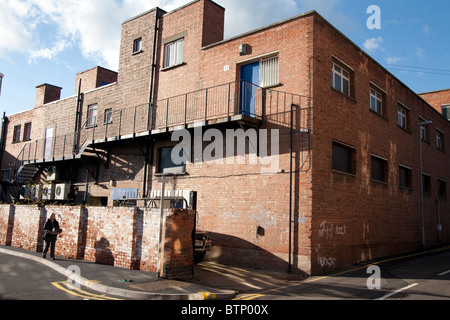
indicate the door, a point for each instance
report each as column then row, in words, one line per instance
column 249, row 83
column 48, row 143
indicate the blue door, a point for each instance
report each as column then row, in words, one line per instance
column 249, row 82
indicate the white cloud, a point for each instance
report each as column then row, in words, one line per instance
column 16, row 32
column 373, row 44
column 45, row 29
column 394, row 60
column 420, row 52
column 48, row 53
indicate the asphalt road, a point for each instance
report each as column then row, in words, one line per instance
column 24, row 279
column 422, row 276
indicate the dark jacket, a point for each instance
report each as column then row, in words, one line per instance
column 50, row 229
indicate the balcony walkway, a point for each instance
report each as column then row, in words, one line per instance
column 240, row 102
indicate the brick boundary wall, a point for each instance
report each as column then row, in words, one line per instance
column 120, row 236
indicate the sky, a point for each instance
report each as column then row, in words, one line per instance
column 50, row 41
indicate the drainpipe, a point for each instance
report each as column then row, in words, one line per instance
column 150, row 101
column 422, row 204
column 290, row 187
column 153, row 71
column 161, row 219
column 439, row 226
column 77, row 116
column 2, row 135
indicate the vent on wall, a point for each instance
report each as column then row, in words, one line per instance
column 243, row 49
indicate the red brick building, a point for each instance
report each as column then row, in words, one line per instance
column 439, row 100
column 341, row 182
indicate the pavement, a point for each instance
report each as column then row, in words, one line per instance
column 210, row 281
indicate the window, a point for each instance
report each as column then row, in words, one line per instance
column 343, row 158
column 92, row 116
column 426, row 183
column 16, row 134
column 440, row 140
column 108, row 116
column 376, row 101
column 341, row 79
column 405, row 177
column 424, row 131
column 27, row 132
column 442, row 188
column 5, row 175
column 269, row 72
column 166, row 161
column 446, row 111
column 379, row 169
column 402, row 117
column 137, row 45
column 174, row 52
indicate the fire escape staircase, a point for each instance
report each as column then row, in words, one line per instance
column 241, row 102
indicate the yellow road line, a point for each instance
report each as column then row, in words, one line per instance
column 348, row 271
column 80, row 293
column 250, row 296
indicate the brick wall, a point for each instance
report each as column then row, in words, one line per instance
column 357, row 219
column 338, row 219
column 123, row 237
column 94, row 78
column 46, row 93
column 437, row 99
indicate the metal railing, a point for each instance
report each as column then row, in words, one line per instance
column 223, row 101
column 226, row 102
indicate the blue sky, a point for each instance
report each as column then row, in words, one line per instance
column 49, row 41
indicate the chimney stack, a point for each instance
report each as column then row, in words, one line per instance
column 46, row 93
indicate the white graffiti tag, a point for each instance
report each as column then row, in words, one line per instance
column 329, row 230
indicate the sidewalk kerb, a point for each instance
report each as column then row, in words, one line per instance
column 117, row 291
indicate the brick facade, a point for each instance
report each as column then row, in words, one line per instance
column 122, row 237
column 313, row 216
column 437, row 99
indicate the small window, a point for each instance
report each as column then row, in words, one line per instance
column 5, row 175
column 166, row 161
column 343, row 158
column 16, row 134
column 439, row 140
column 137, row 45
column 174, row 53
column 442, row 188
column 405, row 177
column 341, row 79
column 269, row 72
column 402, row 117
column 426, row 182
column 92, row 115
column 446, row 111
column 423, row 131
column 108, row 116
column 379, row 169
column 27, row 132
column 376, row 101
